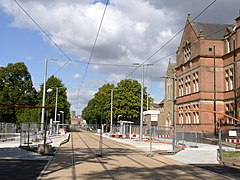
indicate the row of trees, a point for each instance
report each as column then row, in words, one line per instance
column 126, row 103
column 20, row 101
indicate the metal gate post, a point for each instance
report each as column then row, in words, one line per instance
column 220, row 145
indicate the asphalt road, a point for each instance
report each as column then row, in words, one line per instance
column 21, row 169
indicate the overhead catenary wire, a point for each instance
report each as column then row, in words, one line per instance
column 93, row 48
column 46, row 34
column 63, row 52
column 102, row 64
column 105, row 64
column 222, row 29
column 165, row 44
column 94, row 44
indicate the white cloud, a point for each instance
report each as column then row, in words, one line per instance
column 28, row 58
column 79, row 99
column 73, row 27
column 131, row 31
column 76, row 76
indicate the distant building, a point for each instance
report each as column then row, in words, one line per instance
column 75, row 121
column 73, row 114
column 151, row 117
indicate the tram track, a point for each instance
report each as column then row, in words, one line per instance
column 138, row 161
column 96, row 156
column 80, row 159
column 73, row 162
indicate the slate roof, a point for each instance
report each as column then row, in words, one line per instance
column 211, row 31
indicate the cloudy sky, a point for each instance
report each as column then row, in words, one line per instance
column 131, row 32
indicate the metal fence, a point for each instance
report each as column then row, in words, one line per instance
column 186, row 135
column 229, row 145
column 132, row 131
column 30, row 133
column 7, row 131
column 191, row 135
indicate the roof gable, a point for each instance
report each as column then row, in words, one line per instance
column 211, row 31
column 189, row 34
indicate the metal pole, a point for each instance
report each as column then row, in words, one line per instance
column 62, row 112
column 55, row 116
column 62, row 119
column 196, row 137
column 45, row 133
column 214, row 91
column 45, row 130
column 100, row 143
column 151, row 139
column 111, row 122
column 130, row 131
column 147, row 101
column 44, row 94
column 235, row 82
column 173, row 115
column 28, row 135
column 220, row 144
column 141, row 113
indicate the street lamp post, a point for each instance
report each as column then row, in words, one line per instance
column 141, row 111
column 141, row 115
column 56, row 105
column 45, row 124
column 44, row 92
column 58, row 123
column 62, row 112
column 56, row 102
column 214, row 91
column 111, row 120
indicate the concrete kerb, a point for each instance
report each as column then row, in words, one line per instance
column 63, row 141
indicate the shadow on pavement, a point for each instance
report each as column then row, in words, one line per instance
column 233, row 172
column 21, row 169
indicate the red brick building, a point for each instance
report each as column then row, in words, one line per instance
column 207, row 73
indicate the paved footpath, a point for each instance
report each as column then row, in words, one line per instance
column 17, row 163
column 118, row 161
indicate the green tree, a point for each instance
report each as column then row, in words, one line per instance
column 28, row 115
column 126, row 103
column 16, row 88
column 63, row 104
column 100, row 103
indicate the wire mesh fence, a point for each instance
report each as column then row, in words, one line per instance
column 229, row 145
column 191, row 135
column 7, row 131
column 32, row 134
